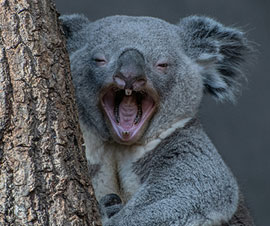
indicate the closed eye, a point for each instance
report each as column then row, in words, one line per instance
column 100, row 61
column 163, row 65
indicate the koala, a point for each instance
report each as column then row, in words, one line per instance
column 139, row 83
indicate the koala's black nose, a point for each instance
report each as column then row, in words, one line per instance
column 130, row 73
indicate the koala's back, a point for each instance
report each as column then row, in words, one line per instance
column 242, row 216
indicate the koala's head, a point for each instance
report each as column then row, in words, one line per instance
column 130, row 71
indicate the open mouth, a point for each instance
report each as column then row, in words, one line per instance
column 128, row 112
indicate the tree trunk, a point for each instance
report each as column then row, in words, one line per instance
column 43, row 170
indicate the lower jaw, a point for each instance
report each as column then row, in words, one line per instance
column 127, row 136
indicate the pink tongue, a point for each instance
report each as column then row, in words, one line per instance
column 127, row 111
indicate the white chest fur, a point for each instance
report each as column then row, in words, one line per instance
column 115, row 174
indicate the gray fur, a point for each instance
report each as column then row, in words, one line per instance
column 219, row 50
column 183, row 181
column 93, row 169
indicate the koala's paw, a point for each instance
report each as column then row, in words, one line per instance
column 110, row 205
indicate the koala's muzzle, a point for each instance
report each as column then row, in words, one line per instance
column 130, row 101
column 130, row 74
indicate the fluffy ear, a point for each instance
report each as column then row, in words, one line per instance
column 73, row 26
column 219, row 51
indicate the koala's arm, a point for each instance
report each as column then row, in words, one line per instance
column 187, row 185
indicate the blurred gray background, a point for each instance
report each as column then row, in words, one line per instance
column 240, row 132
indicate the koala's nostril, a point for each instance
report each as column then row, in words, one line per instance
column 138, row 84
column 119, row 81
column 129, row 83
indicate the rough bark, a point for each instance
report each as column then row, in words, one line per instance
column 43, row 170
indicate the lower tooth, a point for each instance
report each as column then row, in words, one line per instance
column 116, row 114
column 128, row 92
column 125, row 133
column 139, row 114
